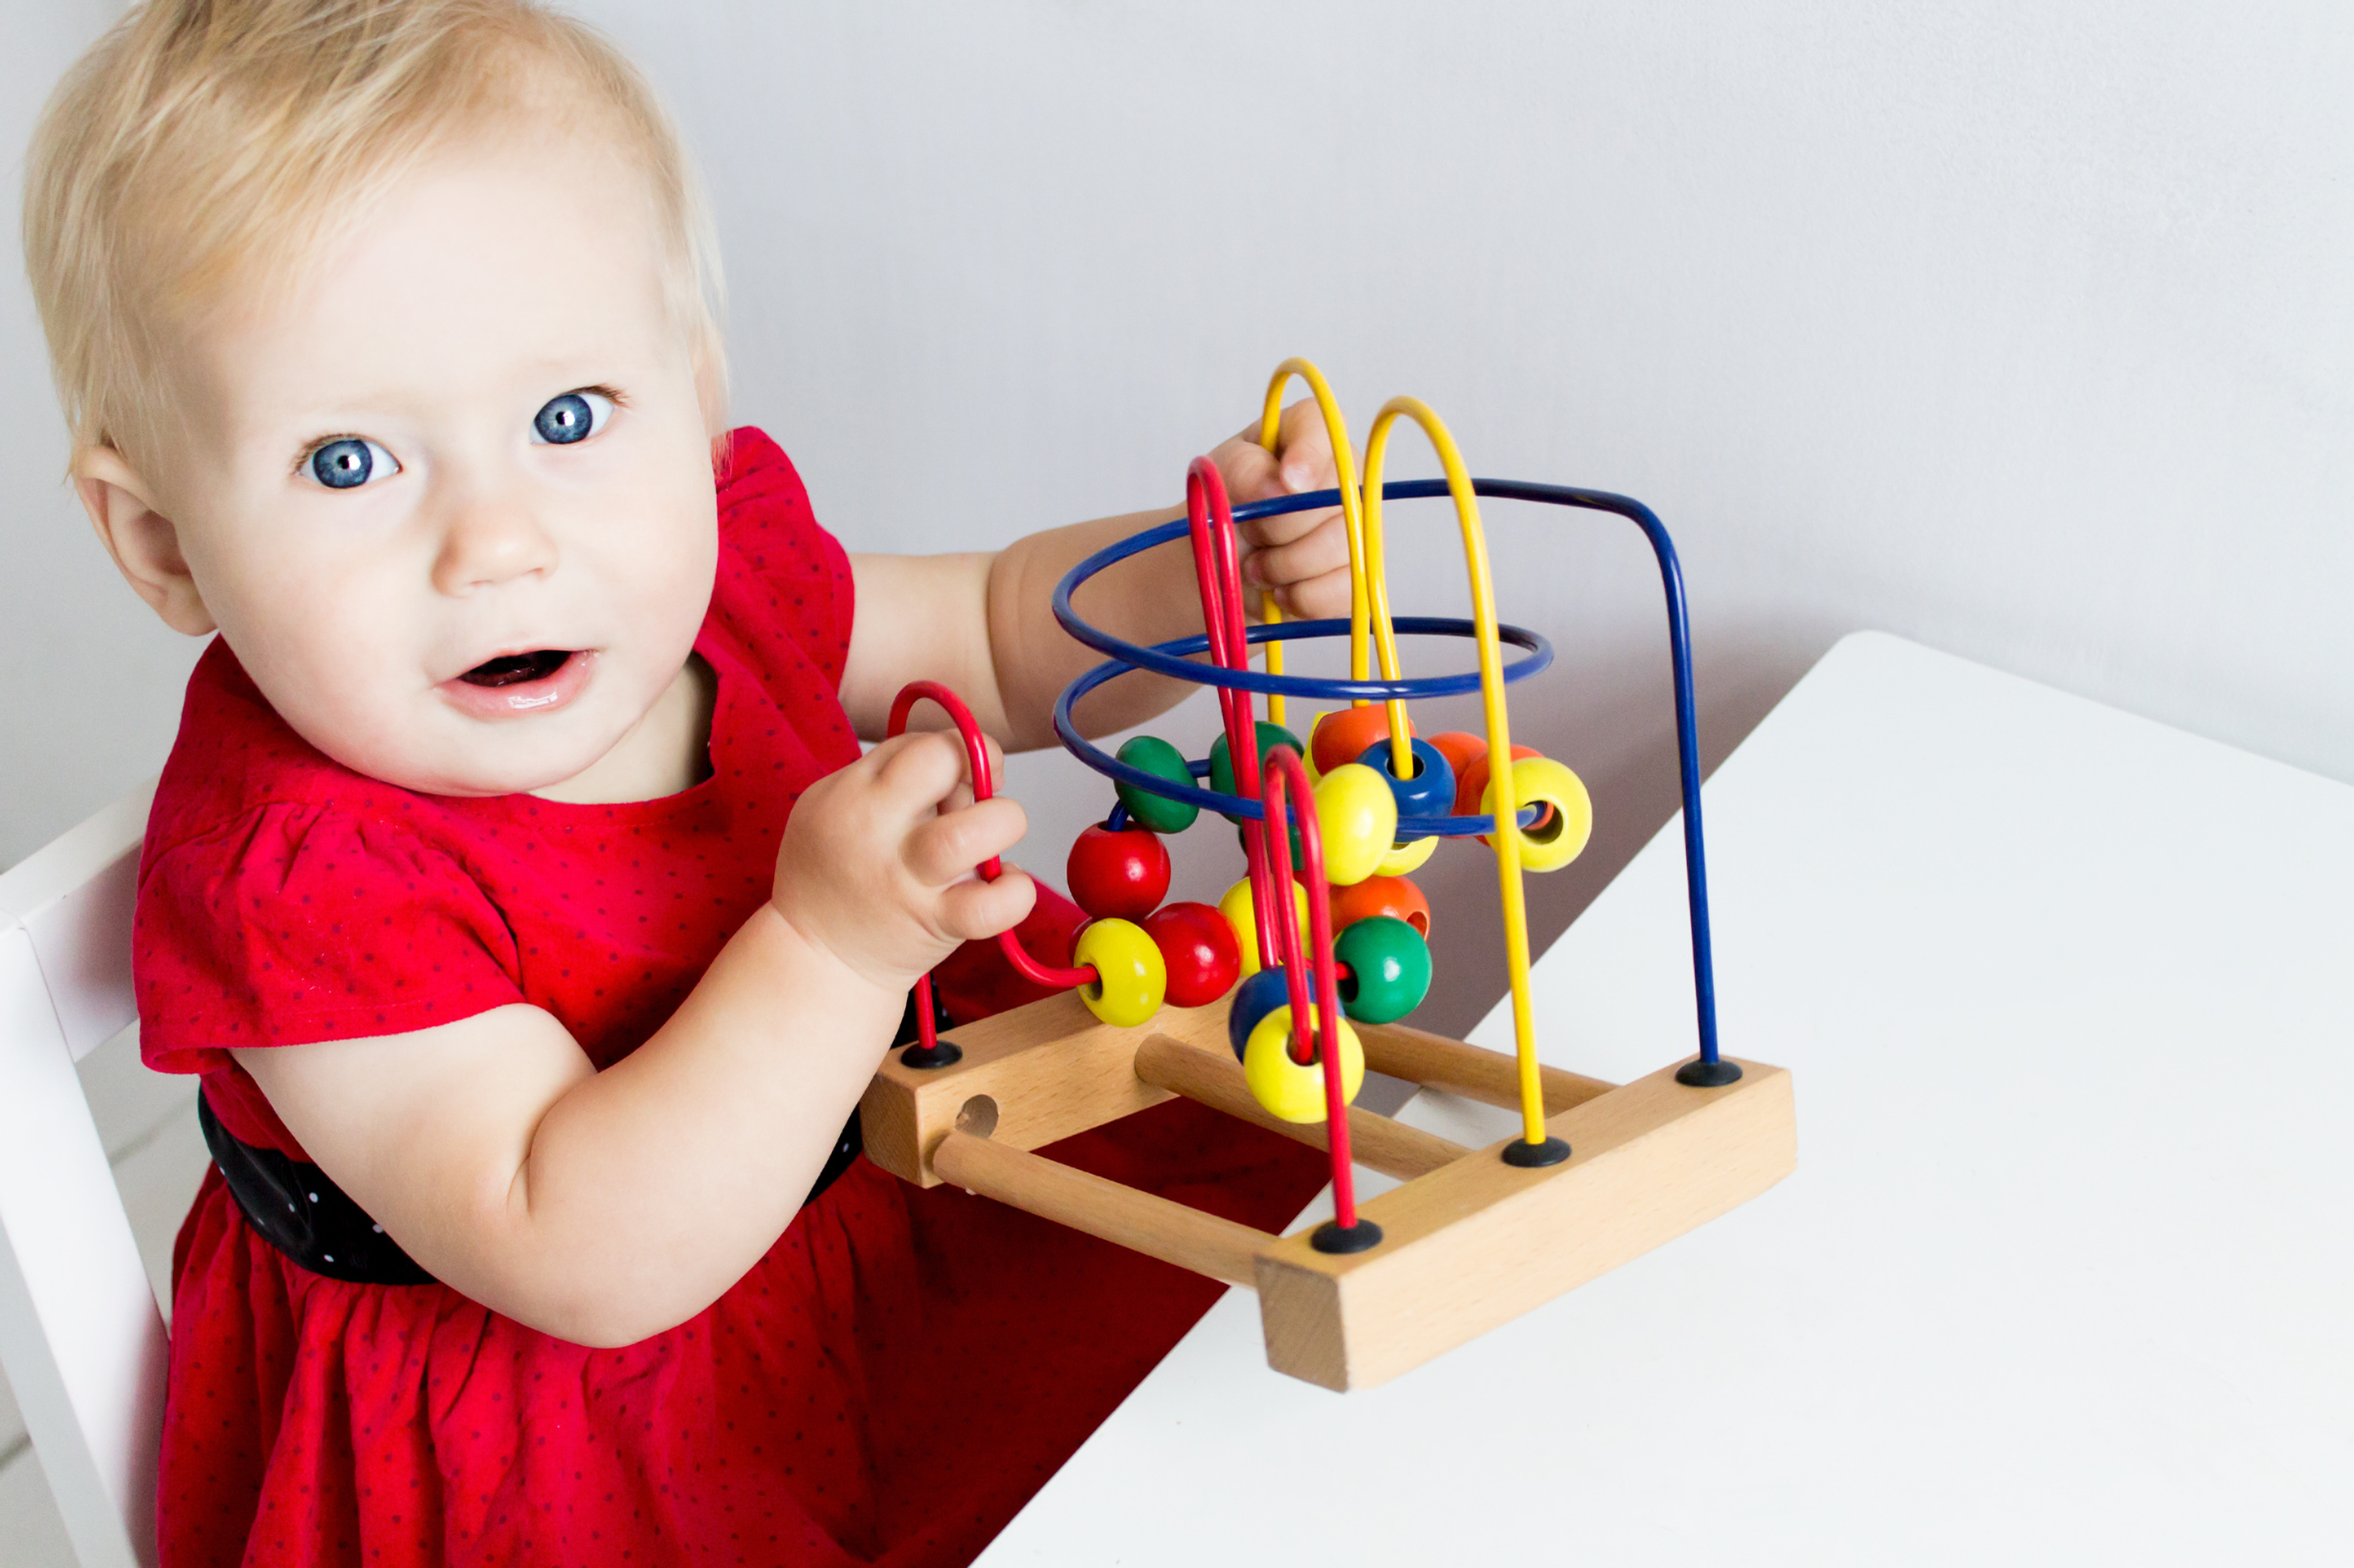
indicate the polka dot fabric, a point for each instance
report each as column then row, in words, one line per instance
column 886, row 1386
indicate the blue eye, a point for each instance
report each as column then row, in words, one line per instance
column 349, row 461
column 576, row 416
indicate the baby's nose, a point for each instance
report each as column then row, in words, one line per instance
column 492, row 542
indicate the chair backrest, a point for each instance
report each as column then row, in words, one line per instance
column 80, row 1332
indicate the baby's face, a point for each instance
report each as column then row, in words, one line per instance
column 450, row 499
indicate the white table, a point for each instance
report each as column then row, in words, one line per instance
column 2066, row 1272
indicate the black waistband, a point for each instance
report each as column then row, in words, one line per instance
column 305, row 1215
column 302, row 1214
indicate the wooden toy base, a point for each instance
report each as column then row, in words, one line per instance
column 1469, row 1241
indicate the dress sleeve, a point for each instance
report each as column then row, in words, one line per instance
column 780, row 573
column 294, row 923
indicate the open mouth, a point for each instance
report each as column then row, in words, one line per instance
column 518, row 669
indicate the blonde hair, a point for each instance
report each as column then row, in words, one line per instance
column 205, row 144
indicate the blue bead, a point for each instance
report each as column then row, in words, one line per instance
column 1262, row 994
column 1430, row 792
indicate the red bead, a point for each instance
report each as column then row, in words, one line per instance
column 1199, row 947
column 1117, row 875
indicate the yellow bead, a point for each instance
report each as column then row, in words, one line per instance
column 1308, row 760
column 1357, row 816
column 1287, row 1088
column 1131, row 977
column 1563, row 835
column 1236, row 906
column 1406, row 859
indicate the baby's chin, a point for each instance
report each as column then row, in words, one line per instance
column 468, row 759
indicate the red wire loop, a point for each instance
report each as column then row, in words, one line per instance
column 983, row 785
column 1286, row 796
column 1209, row 519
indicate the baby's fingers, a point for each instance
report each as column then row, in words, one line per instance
column 916, row 770
column 952, row 844
column 960, row 796
column 975, row 910
column 1324, row 549
column 1305, row 446
column 921, row 769
column 1251, row 471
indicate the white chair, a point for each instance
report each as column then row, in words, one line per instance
column 80, row 1332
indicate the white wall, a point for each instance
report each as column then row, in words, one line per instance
column 89, row 680
column 2022, row 329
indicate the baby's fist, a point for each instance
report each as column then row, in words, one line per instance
column 880, row 861
column 1300, row 558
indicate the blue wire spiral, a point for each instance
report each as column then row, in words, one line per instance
column 1171, row 659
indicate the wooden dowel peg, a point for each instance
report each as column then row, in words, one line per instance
column 1483, row 1076
column 1138, row 1221
column 1213, row 1079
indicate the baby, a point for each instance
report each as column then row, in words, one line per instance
column 517, row 882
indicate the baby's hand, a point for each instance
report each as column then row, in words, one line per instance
column 878, row 863
column 1300, row 558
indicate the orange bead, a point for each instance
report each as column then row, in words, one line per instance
column 1460, row 750
column 1342, row 737
column 1470, row 780
column 1391, row 896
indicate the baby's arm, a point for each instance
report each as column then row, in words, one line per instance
column 601, row 1207
column 982, row 622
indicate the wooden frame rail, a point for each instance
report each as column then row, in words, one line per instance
column 1469, row 1241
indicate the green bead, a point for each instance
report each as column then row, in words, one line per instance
column 1390, row 967
column 1162, row 761
column 1269, row 736
column 1242, row 837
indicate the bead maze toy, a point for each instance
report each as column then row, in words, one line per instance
column 1271, row 1006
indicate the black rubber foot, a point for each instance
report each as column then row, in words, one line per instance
column 947, row 1053
column 1698, row 1074
column 1536, row 1156
column 1361, row 1237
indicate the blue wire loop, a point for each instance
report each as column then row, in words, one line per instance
column 1173, row 660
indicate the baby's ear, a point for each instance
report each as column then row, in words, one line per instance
column 145, row 543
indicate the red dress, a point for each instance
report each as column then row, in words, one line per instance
column 888, row 1384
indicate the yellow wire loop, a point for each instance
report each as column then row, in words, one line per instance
column 1278, row 706
column 1369, row 595
column 1507, row 836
